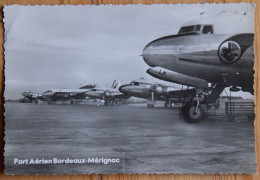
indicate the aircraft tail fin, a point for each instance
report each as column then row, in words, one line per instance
column 116, row 84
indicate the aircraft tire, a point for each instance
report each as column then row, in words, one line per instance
column 189, row 114
column 106, row 103
column 237, row 119
column 150, row 105
column 49, row 101
column 73, row 101
column 168, row 105
column 36, row 101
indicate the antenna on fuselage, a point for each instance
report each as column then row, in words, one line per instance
column 201, row 14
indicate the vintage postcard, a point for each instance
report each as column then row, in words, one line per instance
column 129, row 89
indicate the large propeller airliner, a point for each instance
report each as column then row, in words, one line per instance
column 154, row 91
column 210, row 54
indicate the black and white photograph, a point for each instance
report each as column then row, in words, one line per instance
column 129, row 89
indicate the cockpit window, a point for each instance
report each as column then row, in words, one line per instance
column 208, row 29
column 135, row 83
column 189, row 29
column 186, row 29
column 49, row 91
column 197, row 28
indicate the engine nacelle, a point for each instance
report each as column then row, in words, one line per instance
column 159, row 89
column 34, row 95
column 171, row 76
column 107, row 94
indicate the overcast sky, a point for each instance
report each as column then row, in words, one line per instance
column 50, row 47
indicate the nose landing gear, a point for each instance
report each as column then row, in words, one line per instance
column 194, row 110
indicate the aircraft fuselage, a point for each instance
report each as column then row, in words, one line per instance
column 198, row 55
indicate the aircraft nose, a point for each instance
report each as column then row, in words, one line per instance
column 147, row 55
column 162, row 51
column 154, row 52
column 124, row 89
column 46, row 94
column 24, row 93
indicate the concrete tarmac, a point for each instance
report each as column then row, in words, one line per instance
column 145, row 140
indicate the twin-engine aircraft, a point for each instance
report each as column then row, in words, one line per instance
column 73, row 95
column 217, row 50
column 110, row 96
column 156, row 91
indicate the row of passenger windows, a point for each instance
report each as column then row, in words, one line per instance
column 207, row 29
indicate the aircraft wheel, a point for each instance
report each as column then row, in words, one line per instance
column 168, row 104
column 113, row 103
column 150, row 105
column 217, row 104
column 73, row 101
column 189, row 114
column 116, row 103
column 237, row 119
column 49, row 102
column 106, row 103
column 36, row 101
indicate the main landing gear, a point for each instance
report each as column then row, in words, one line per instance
column 194, row 110
column 168, row 104
column 37, row 101
column 115, row 102
column 73, row 101
column 49, row 101
column 151, row 102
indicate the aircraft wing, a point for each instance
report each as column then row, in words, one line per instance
column 80, row 95
column 54, row 95
column 119, row 95
column 182, row 92
column 95, row 94
column 100, row 89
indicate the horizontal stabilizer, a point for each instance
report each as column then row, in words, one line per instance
column 171, row 76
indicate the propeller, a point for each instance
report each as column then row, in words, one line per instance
column 158, row 89
column 107, row 93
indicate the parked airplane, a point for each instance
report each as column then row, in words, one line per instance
column 217, row 50
column 30, row 97
column 156, row 91
column 67, row 94
column 108, row 95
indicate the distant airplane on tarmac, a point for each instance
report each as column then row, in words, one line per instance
column 73, row 95
column 108, row 95
column 30, row 97
column 156, row 91
column 216, row 49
